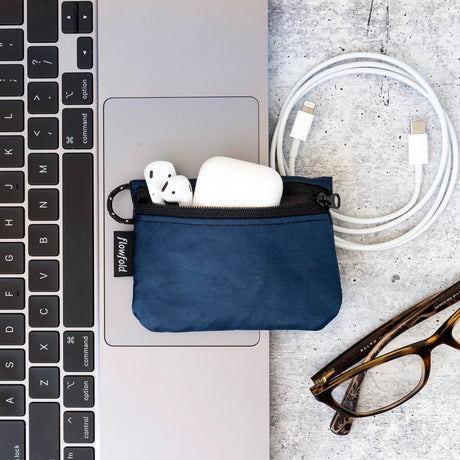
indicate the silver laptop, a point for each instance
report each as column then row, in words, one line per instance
column 90, row 92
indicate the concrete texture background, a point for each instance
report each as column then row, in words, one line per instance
column 359, row 137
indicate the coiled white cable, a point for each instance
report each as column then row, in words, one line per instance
column 445, row 179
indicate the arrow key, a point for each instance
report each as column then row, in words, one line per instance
column 69, row 17
column 85, row 17
column 85, row 53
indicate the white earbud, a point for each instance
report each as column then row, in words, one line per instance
column 177, row 189
column 156, row 174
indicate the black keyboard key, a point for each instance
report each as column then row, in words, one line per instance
column 11, row 45
column 77, row 128
column 12, row 329
column 12, row 293
column 44, row 431
column 78, row 453
column 43, row 347
column 44, row 275
column 11, row 187
column 43, row 240
column 11, row 80
column 12, row 401
column 85, row 17
column 85, row 53
column 11, row 116
column 42, row 62
column 11, row 151
column 78, row 351
column 69, row 17
column 43, row 204
column 42, row 21
column 44, row 382
column 77, row 219
column 78, row 427
column 43, row 169
column 11, row 223
column 11, row 12
column 79, row 391
column 42, row 97
column 43, row 133
column 77, row 88
column 43, row 311
column 11, row 258
column 12, row 440
column 12, row 365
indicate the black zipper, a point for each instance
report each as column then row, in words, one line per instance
column 298, row 199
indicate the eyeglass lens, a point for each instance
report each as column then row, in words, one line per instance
column 382, row 385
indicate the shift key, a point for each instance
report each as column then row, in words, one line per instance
column 77, row 128
column 78, row 351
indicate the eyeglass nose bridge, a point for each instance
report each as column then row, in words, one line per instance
column 445, row 333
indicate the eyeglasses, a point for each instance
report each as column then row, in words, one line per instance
column 382, row 383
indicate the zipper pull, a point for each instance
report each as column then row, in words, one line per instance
column 329, row 201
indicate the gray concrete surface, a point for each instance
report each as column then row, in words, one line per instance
column 359, row 137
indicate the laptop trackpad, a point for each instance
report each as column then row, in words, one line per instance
column 185, row 131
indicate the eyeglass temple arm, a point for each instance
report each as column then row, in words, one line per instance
column 360, row 349
column 410, row 317
column 341, row 423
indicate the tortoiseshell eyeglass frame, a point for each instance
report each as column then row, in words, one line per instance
column 367, row 349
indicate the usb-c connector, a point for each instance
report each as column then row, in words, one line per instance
column 418, row 144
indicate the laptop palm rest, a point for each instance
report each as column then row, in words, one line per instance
column 185, row 131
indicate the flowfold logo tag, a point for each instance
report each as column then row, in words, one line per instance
column 122, row 254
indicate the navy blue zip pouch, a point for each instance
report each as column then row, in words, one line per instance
column 202, row 269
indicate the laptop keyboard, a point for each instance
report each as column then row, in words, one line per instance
column 47, row 317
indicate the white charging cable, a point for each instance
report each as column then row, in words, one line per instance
column 444, row 182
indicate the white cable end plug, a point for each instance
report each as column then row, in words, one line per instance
column 418, row 144
column 303, row 121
